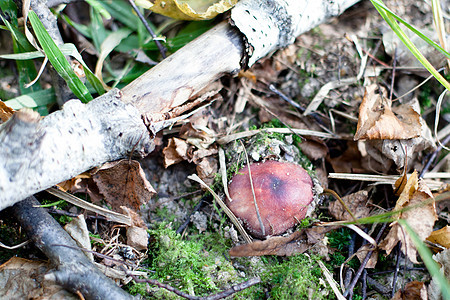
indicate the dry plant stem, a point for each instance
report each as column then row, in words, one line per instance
column 74, row 270
column 397, row 268
column 108, row 214
column 337, row 197
column 253, row 190
column 188, row 219
column 364, row 284
column 234, row 289
column 363, row 264
column 225, row 208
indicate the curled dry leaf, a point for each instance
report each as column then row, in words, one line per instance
column 362, row 253
column 414, row 206
column 441, row 237
column 314, row 148
column 5, row 112
column 413, row 290
column 123, row 183
column 377, row 119
column 277, row 245
column 175, row 152
column 207, row 168
column 188, row 9
column 356, row 203
column 296, row 243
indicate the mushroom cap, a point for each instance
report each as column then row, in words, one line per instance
column 283, row 192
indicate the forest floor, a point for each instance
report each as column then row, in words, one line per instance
column 370, row 108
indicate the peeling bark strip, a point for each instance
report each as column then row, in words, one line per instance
column 37, row 155
column 75, row 271
column 34, row 155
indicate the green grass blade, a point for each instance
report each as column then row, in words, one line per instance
column 380, row 5
column 427, row 258
column 33, row 100
column 391, row 20
column 96, row 83
column 122, row 11
column 26, row 68
column 98, row 7
column 58, row 61
column 97, row 28
column 83, row 29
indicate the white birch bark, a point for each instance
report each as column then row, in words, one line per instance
column 36, row 154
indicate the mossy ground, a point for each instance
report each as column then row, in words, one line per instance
column 200, row 265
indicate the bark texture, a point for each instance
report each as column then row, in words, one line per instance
column 37, row 154
column 272, row 24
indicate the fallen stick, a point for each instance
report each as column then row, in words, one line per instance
column 74, row 271
column 37, row 154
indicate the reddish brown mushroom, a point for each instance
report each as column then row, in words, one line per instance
column 283, row 192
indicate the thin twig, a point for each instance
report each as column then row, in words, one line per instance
column 234, row 289
column 397, row 268
column 394, row 64
column 161, row 48
column 433, row 156
column 196, row 208
column 363, row 264
column 364, row 284
column 263, row 230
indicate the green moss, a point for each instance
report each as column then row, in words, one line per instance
column 339, row 239
column 196, row 266
column 296, row 277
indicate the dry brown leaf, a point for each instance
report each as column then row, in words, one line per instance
column 362, row 253
column 5, row 112
column 413, row 290
column 277, row 245
column 175, row 151
column 70, row 184
column 23, row 279
column 349, row 161
column 314, row 148
column 441, row 237
column 198, row 135
column 123, row 183
column 207, row 168
column 356, row 203
column 378, row 121
column 420, row 217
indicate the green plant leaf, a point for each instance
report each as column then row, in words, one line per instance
column 98, row 7
column 122, row 11
column 33, row 100
column 58, row 61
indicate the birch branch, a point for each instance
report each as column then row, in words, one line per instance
column 37, row 154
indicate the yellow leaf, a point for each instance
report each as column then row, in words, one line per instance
column 188, row 9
